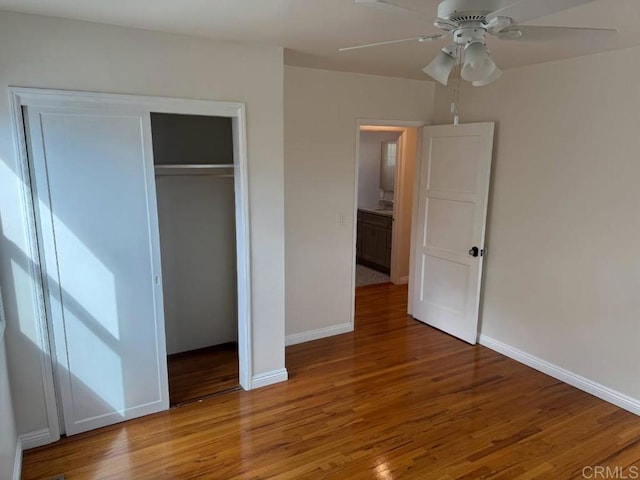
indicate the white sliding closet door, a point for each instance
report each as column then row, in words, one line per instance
column 94, row 194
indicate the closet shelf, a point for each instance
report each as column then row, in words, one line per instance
column 195, row 169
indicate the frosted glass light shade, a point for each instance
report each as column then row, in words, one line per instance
column 441, row 66
column 497, row 73
column 478, row 66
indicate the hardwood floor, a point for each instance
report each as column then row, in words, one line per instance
column 202, row 373
column 395, row 399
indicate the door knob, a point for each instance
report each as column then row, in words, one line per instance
column 475, row 251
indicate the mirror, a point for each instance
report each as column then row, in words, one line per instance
column 388, row 160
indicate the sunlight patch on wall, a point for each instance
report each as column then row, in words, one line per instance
column 12, row 226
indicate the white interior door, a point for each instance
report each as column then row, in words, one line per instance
column 449, row 230
column 94, row 195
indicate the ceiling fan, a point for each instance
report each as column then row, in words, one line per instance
column 470, row 21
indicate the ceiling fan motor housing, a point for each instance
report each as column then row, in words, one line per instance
column 469, row 18
column 468, row 10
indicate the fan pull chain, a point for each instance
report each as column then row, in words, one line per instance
column 455, row 85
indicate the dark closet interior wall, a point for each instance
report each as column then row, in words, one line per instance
column 191, row 139
column 197, row 232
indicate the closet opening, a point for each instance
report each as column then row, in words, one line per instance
column 194, row 176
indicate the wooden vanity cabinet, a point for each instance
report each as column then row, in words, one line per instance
column 373, row 243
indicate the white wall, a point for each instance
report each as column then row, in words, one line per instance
column 321, row 108
column 54, row 53
column 9, row 443
column 370, row 153
column 8, row 433
column 562, row 274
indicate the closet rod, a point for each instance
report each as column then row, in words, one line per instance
column 195, row 165
column 194, row 174
column 224, row 170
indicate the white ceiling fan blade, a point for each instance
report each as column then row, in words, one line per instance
column 423, row 38
column 392, row 8
column 534, row 33
column 521, row 11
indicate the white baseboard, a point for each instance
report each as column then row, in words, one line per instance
column 605, row 393
column 36, row 438
column 17, row 462
column 269, row 378
column 317, row 334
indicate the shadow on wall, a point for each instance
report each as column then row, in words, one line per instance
column 488, row 229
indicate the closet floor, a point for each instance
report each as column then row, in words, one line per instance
column 202, row 373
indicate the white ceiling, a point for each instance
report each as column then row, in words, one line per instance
column 313, row 30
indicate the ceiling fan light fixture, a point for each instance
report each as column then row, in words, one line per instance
column 441, row 66
column 469, row 22
column 477, row 66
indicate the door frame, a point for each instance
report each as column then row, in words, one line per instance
column 20, row 97
column 394, row 125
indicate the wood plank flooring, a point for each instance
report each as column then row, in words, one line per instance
column 396, row 399
column 202, row 373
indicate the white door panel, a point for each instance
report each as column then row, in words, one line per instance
column 95, row 201
column 451, row 168
column 451, row 225
column 451, row 216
